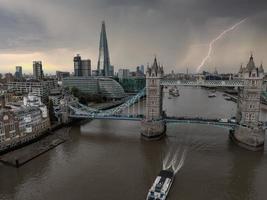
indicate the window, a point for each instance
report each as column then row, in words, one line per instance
column 251, row 106
column 2, row 138
column 12, row 127
column 254, row 83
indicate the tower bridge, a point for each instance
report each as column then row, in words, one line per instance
column 248, row 132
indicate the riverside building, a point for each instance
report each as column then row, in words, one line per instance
column 21, row 125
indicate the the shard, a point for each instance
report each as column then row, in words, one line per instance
column 103, row 65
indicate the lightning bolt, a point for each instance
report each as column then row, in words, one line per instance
column 215, row 40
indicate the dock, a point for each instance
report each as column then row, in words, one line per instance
column 25, row 154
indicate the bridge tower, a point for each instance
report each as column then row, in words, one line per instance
column 250, row 136
column 153, row 126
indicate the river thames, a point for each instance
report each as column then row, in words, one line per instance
column 109, row 160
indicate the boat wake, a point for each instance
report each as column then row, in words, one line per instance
column 175, row 159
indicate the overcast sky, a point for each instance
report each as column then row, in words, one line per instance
column 177, row 31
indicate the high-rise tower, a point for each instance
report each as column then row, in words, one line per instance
column 81, row 67
column 103, row 65
column 18, row 73
column 38, row 70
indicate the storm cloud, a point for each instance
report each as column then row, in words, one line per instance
column 177, row 31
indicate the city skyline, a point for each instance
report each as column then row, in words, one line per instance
column 137, row 31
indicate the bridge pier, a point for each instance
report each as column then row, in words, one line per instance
column 153, row 130
column 249, row 138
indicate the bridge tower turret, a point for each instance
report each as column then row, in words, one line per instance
column 250, row 135
column 153, row 126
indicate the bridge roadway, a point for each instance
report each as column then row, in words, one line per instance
column 180, row 120
column 204, row 83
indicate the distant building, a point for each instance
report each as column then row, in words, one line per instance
column 77, row 65
column 110, row 89
column 123, row 74
column 18, row 73
column 142, row 69
column 107, row 87
column 60, row 75
column 9, row 77
column 36, row 87
column 81, row 67
column 94, row 72
column 133, row 84
column 139, row 72
column 38, row 73
column 137, row 69
column 86, row 67
column 111, row 70
column 103, row 65
column 55, row 96
column 87, row 85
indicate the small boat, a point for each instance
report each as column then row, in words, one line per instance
column 161, row 185
column 227, row 98
column 211, row 95
column 174, row 92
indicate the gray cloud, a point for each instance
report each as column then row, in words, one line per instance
column 19, row 31
column 174, row 30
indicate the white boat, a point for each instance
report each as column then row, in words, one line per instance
column 227, row 98
column 211, row 95
column 174, row 92
column 161, row 185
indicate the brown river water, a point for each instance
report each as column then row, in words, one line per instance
column 108, row 160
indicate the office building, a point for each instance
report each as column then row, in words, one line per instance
column 81, row 67
column 60, row 75
column 107, row 87
column 18, row 73
column 123, row 74
column 111, row 70
column 142, row 69
column 38, row 73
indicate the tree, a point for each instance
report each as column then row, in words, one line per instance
column 51, row 111
column 75, row 91
column 83, row 100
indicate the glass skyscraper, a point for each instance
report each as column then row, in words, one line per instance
column 103, row 65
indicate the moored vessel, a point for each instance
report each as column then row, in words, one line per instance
column 227, row 98
column 174, row 92
column 211, row 95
